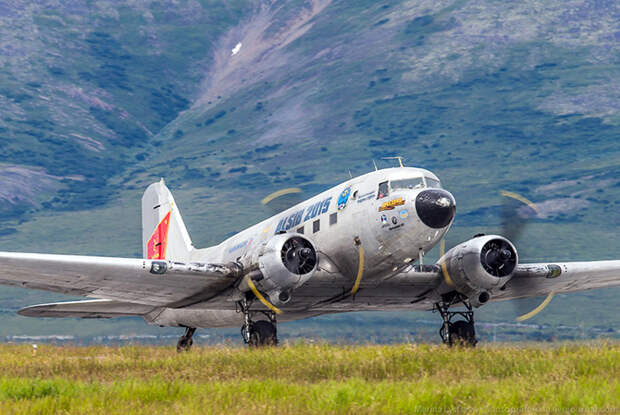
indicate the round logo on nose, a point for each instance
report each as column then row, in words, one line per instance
column 394, row 220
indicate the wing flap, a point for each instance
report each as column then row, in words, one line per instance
column 87, row 309
column 142, row 281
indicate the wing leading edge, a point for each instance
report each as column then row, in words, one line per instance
column 531, row 280
column 141, row 281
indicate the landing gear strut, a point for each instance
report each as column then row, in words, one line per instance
column 186, row 341
column 461, row 332
column 258, row 333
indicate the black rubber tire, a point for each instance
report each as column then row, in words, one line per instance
column 462, row 333
column 263, row 333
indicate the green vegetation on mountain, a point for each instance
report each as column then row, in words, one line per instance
column 99, row 99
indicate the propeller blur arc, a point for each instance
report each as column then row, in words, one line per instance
column 279, row 193
column 513, row 224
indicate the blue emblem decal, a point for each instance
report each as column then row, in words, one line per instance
column 404, row 214
column 343, row 198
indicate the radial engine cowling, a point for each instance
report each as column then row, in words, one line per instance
column 284, row 262
column 480, row 265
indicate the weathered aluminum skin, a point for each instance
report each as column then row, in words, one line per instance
column 199, row 287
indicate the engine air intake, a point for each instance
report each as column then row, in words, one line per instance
column 298, row 255
column 498, row 257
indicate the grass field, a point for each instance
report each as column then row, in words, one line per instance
column 304, row 378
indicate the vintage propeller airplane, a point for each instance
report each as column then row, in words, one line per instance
column 357, row 246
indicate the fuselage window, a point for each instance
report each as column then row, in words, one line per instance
column 316, row 226
column 383, row 190
column 415, row 183
column 333, row 218
column 300, row 230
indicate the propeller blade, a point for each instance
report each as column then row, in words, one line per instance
column 537, row 310
column 282, row 199
column 444, row 268
column 516, row 211
column 260, row 297
column 360, row 268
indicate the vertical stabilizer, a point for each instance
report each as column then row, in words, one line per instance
column 163, row 232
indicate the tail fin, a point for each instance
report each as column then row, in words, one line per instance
column 163, row 232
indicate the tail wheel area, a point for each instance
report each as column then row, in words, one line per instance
column 186, row 341
column 263, row 333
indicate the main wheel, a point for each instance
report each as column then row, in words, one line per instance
column 263, row 333
column 462, row 333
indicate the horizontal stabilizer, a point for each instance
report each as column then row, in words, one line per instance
column 87, row 309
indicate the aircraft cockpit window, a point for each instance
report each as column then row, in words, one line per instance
column 415, row 183
column 383, row 190
column 432, row 183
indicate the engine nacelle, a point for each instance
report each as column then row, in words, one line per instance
column 480, row 265
column 284, row 262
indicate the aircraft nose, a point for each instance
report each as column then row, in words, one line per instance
column 435, row 208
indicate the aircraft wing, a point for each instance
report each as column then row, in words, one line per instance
column 87, row 309
column 532, row 280
column 141, row 281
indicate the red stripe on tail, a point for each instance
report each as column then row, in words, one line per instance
column 156, row 246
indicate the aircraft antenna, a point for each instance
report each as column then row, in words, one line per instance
column 374, row 164
column 399, row 158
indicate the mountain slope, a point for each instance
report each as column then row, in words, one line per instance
column 101, row 100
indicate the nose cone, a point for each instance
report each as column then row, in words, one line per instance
column 435, row 208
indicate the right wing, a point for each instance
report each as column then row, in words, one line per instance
column 142, row 281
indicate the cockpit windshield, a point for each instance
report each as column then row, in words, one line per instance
column 414, row 183
column 430, row 182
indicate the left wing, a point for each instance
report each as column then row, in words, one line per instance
column 531, row 280
column 87, row 309
column 143, row 281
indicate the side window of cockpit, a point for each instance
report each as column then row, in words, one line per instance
column 430, row 182
column 383, row 190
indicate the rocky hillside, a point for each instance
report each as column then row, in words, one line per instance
column 232, row 100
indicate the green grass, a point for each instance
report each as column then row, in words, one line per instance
column 307, row 378
column 523, row 106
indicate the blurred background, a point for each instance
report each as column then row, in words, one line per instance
column 230, row 101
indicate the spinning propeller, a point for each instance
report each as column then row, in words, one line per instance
column 498, row 260
column 516, row 211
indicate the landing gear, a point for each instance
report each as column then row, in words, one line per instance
column 460, row 332
column 258, row 333
column 186, row 341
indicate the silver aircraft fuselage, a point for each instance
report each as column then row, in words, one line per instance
column 386, row 222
